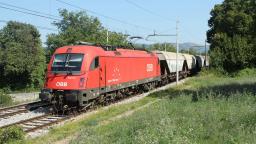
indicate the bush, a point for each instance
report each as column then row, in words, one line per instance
column 246, row 72
column 213, row 72
column 11, row 135
column 5, row 99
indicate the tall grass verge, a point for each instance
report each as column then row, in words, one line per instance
column 11, row 135
column 209, row 108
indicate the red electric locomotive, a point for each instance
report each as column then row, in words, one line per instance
column 81, row 75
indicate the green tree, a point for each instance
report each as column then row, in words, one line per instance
column 22, row 59
column 78, row 26
column 161, row 47
column 232, row 35
column 191, row 51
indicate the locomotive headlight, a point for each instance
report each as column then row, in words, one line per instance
column 81, row 82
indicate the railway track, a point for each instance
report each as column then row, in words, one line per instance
column 34, row 123
column 10, row 111
column 47, row 120
column 20, row 109
column 39, row 122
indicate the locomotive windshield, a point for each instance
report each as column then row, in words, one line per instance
column 67, row 62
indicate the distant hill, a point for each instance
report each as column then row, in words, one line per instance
column 188, row 45
column 184, row 46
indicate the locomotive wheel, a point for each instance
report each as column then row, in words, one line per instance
column 57, row 104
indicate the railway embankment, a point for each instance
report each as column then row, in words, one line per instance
column 9, row 99
column 207, row 108
column 24, row 97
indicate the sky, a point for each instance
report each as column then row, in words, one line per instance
column 133, row 17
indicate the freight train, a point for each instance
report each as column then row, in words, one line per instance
column 84, row 75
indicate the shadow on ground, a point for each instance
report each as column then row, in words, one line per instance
column 221, row 91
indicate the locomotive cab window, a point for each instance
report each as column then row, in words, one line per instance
column 95, row 63
column 67, row 62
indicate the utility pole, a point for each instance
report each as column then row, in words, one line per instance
column 177, row 51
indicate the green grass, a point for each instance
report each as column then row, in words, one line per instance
column 5, row 99
column 12, row 134
column 91, row 121
column 209, row 108
column 181, row 121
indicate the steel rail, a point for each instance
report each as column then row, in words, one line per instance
column 39, row 122
column 4, row 115
column 17, row 106
column 18, row 109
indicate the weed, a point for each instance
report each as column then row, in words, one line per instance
column 12, row 134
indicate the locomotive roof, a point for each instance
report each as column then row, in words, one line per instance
column 98, row 50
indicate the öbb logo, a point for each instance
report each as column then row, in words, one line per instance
column 63, row 84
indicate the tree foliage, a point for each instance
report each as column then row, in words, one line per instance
column 162, row 47
column 12, row 134
column 78, row 26
column 232, row 35
column 191, row 51
column 22, row 59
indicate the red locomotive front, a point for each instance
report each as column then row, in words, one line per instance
column 83, row 75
